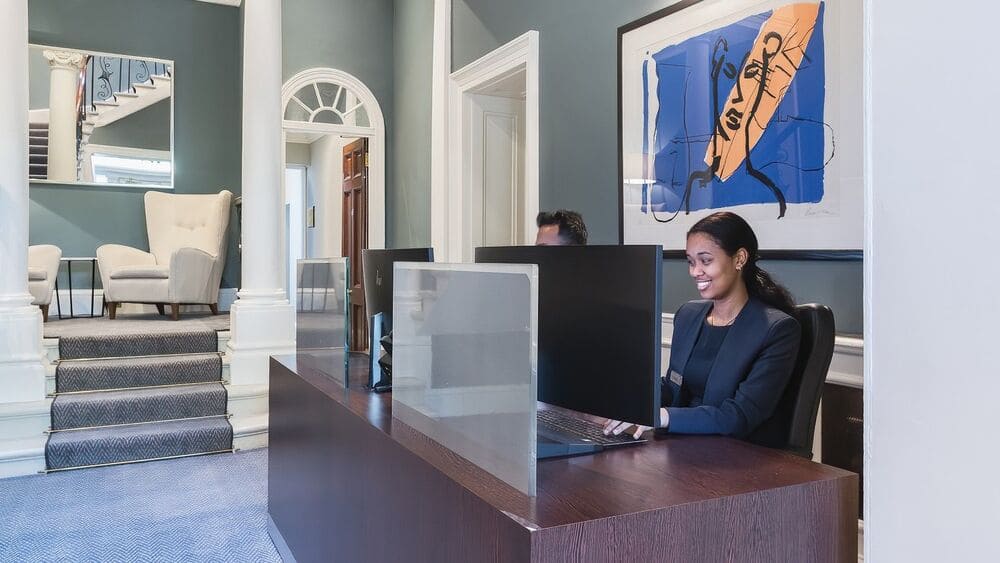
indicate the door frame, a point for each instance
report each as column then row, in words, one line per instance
column 519, row 55
column 375, row 134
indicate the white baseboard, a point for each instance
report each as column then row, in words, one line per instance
column 22, row 457
column 84, row 305
column 22, row 426
column 250, row 433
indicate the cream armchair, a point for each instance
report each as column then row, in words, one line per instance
column 43, row 265
column 187, row 243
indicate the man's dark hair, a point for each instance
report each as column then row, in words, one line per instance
column 571, row 226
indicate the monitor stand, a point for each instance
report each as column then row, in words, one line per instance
column 380, row 367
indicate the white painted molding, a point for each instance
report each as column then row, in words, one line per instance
column 22, row 426
column 375, row 134
column 846, row 367
column 518, row 55
column 440, row 71
column 82, row 303
column 233, row 3
column 38, row 116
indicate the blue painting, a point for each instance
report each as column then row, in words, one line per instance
column 735, row 116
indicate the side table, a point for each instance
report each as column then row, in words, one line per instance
column 69, row 278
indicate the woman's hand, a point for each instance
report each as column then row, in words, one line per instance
column 616, row 427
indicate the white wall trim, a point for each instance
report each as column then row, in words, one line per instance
column 846, row 367
column 82, row 303
column 375, row 134
column 440, row 71
column 519, row 55
column 234, row 3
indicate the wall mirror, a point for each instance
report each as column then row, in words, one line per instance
column 99, row 119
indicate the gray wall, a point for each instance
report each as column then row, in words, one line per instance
column 579, row 128
column 353, row 36
column 203, row 40
column 38, row 80
column 148, row 128
column 409, row 199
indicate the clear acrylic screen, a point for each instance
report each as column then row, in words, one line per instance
column 321, row 316
column 464, row 362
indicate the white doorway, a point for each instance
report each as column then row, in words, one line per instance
column 295, row 192
column 491, row 197
column 325, row 105
column 495, row 181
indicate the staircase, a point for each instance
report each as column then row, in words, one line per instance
column 137, row 397
column 124, row 104
column 38, row 151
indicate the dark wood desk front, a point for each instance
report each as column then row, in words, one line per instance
column 346, row 482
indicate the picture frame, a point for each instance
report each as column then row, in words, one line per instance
column 698, row 133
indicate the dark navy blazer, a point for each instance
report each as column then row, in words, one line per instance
column 748, row 377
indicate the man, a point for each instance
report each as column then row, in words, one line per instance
column 560, row 228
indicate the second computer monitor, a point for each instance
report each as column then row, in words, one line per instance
column 599, row 315
column 377, row 268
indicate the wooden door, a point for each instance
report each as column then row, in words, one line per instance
column 355, row 235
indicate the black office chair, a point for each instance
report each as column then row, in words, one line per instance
column 793, row 423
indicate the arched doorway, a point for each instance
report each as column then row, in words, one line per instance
column 339, row 118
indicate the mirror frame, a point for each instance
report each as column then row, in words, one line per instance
column 173, row 138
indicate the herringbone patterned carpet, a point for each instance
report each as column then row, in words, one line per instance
column 211, row 509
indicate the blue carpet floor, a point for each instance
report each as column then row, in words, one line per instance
column 210, row 508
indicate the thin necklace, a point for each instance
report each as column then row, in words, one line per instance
column 711, row 318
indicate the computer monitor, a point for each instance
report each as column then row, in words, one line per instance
column 377, row 269
column 599, row 315
column 377, row 273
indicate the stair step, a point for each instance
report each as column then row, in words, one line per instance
column 38, row 149
column 141, row 442
column 127, row 95
column 131, row 406
column 121, row 373
column 38, row 158
column 145, row 86
column 138, row 344
column 106, row 104
column 39, row 138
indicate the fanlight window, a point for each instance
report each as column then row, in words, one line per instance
column 326, row 102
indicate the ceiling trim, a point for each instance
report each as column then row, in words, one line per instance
column 234, row 3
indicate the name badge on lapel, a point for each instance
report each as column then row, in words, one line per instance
column 675, row 377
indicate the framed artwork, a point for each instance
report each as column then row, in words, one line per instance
column 748, row 106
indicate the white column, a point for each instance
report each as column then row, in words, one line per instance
column 64, row 82
column 23, row 408
column 263, row 321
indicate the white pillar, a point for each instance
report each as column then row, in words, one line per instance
column 24, row 412
column 64, row 82
column 263, row 321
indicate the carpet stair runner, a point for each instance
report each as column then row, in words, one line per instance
column 128, row 398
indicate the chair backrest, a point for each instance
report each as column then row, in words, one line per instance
column 46, row 257
column 186, row 221
column 793, row 423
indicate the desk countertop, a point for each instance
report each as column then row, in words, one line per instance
column 668, row 471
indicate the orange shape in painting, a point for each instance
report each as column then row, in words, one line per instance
column 775, row 56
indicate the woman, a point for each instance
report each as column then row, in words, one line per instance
column 732, row 352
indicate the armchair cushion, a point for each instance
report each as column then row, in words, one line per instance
column 43, row 265
column 140, row 272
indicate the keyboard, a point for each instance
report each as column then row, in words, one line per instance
column 585, row 430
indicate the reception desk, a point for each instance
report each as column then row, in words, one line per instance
column 346, row 482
